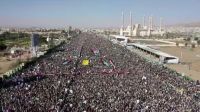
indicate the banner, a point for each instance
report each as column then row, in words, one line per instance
column 85, row 62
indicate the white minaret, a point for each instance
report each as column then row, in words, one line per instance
column 144, row 22
column 161, row 24
column 131, row 27
column 123, row 20
column 151, row 22
column 149, row 26
column 131, row 19
column 122, row 28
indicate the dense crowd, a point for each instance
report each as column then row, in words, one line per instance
column 115, row 80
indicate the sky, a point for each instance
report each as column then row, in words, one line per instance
column 94, row 13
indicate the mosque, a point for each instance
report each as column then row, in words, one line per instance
column 141, row 30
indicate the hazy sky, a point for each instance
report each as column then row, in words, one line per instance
column 94, row 13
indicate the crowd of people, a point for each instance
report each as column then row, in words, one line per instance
column 114, row 80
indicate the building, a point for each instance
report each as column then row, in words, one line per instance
column 141, row 30
column 117, row 39
column 34, row 44
column 162, row 56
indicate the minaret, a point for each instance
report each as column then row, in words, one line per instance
column 123, row 20
column 144, row 22
column 122, row 28
column 149, row 27
column 131, row 27
column 160, row 24
column 151, row 22
column 131, row 19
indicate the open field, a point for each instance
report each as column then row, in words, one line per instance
column 6, row 64
column 179, row 41
column 189, row 58
column 147, row 42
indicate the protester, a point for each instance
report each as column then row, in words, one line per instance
column 114, row 79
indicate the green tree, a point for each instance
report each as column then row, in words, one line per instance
column 188, row 39
column 196, row 38
column 193, row 46
column 177, row 44
column 2, row 46
column 198, row 42
column 186, row 44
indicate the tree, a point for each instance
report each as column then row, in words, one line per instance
column 43, row 40
column 193, row 45
column 2, row 46
column 177, row 44
column 188, row 39
column 186, row 44
column 63, row 31
column 198, row 42
column 196, row 38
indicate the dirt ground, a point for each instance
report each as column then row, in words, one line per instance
column 6, row 65
column 147, row 42
column 189, row 58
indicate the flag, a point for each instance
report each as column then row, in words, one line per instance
column 85, row 62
